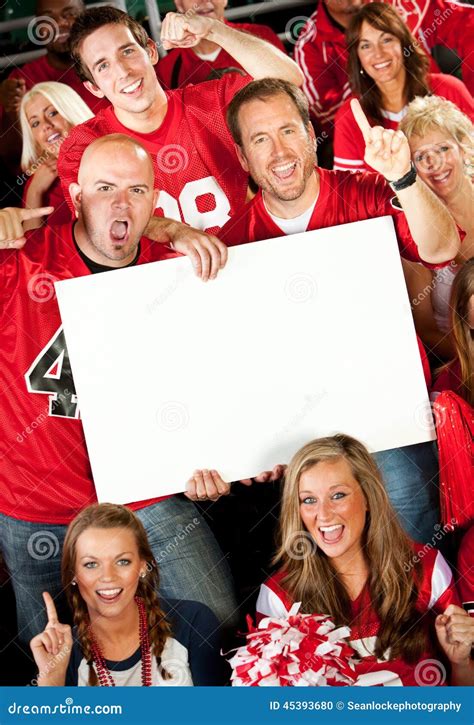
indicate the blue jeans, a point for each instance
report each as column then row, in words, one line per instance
column 411, row 480
column 191, row 564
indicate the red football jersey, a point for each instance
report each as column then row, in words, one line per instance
column 436, row 592
column 40, row 70
column 349, row 144
column 343, row 198
column 200, row 179
column 45, row 474
column 183, row 66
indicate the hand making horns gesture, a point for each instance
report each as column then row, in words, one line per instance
column 386, row 151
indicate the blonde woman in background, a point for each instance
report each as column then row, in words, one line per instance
column 47, row 113
column 441, row 140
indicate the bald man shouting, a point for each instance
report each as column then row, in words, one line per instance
column 45, row 479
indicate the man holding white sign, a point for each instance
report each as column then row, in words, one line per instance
column 275, row 141
column 46, row 478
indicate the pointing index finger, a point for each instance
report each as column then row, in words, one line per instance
column 50, row 608
column 361, row 119
column 34, row 213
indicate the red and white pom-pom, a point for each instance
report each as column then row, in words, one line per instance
column 299, row 651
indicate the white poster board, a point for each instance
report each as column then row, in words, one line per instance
column 298, row 337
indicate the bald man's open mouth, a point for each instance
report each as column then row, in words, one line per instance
column 119, row 230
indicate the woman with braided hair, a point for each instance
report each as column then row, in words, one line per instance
column 123, row 633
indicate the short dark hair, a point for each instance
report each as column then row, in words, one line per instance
column 93, row 19
column 263, row 89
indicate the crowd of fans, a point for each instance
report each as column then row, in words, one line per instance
column 122, row 158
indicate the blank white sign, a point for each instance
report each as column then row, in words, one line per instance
column 298, row 337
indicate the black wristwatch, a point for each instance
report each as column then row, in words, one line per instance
column 406, row 181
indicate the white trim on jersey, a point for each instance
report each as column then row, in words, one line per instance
column 308, row 84
column 441, row 579
column 341, row 164
column 269, row 604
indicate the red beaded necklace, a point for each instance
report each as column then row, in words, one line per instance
column 103, row 673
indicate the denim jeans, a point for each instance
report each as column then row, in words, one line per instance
column 191, row 564
column 411, row 480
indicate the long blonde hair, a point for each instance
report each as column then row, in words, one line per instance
column 111, row 516
column 67, row 103
column 312, row 579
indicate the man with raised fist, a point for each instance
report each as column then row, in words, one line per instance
column 200, row 180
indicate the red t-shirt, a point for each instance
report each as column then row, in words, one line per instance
column 40, row 70
column 436, row 592
column 54, row 196
column 343, row 198
column 466, row 570
column 349, row 144
column 200, row 179
column 183, row 66
column 45, row 474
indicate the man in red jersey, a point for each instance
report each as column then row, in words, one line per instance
column 200, row 180
column 45, row 474
column 275, row 141
column 54, row 19
column 206, row 60
column 321, row 50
